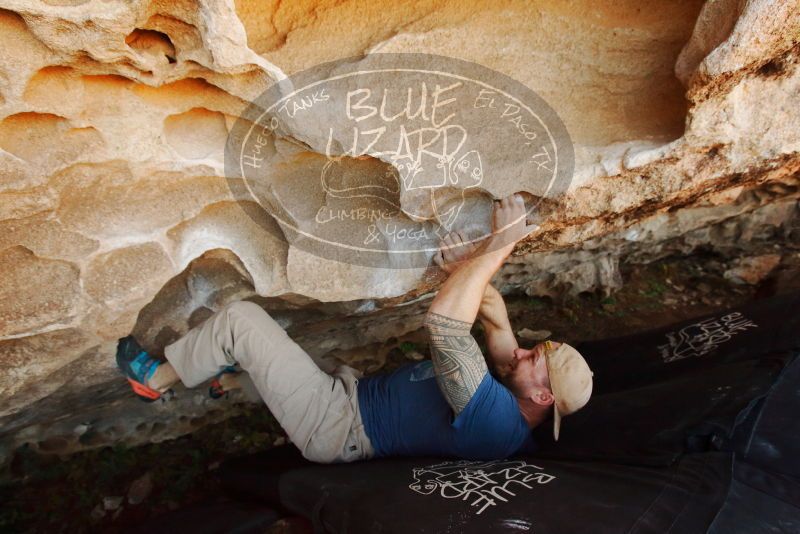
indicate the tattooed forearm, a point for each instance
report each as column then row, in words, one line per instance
column 457, row 359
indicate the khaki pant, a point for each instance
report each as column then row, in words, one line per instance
column 318, row 411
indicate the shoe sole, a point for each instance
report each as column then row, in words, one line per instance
column 143, row 392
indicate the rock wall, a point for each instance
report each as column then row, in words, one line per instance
column 115, row 214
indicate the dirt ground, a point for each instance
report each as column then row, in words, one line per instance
column 88, row 491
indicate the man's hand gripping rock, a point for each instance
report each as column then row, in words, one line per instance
column 509, row 226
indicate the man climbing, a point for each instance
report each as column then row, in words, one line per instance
column 450, row 405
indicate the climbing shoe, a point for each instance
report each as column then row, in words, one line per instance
column 137, row 366
column 217, row 390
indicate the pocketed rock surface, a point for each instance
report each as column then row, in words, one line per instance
column 116, row 215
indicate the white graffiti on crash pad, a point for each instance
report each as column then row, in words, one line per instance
column 703, row 337
column 483, row 484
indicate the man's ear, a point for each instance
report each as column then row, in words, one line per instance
column 543, row 397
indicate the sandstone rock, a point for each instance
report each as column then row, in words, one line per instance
column 294, row 40
column 753, row 269
column 242, row 227
column 112, row 503
column 534, row 335
column 98, row 512
column 36, row 293
column 197, row 133
column 106, row 201
column 762, row 28
column 140, row 489
column 38, row 356
column 47, row 141
column 46, row 237
column 127, row 274
column 207, row 284
column 330, row 280
column 714, row 24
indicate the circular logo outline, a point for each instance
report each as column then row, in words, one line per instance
column 285, row 94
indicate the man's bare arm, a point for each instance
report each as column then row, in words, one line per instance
column 457, row 250
column 456, row 356
column 500, row 339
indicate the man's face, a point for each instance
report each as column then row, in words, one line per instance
column 529, row 370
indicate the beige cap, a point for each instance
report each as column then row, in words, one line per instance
column 570, row 381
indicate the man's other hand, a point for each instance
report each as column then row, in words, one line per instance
column 454, row 250
column 509, row 225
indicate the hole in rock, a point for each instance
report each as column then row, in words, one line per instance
column 98, row 86
column 50, row 81
column 208, row 283
column 178, row 93
column 196, row 422
column 12, row 22
column 92, row 439
column 27, row 134
column 53, row 444
column 771, row 68
column 196, row 134
column 151, row 42
column 185, row 34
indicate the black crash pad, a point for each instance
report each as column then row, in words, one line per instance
column 692, row 428
column 517, row 495
column 764, row 495
column 684, row 387
column 226, row 516
column 718, row 492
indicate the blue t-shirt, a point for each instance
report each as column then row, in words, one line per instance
column 406, row 414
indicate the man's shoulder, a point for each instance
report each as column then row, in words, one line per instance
column 494, row 426
column 492, row 404
column 497, row 389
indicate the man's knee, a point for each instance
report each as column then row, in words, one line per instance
column 325, row 454
column 243, row 307
column 321, row 454
column 252, row 313
column 245, row 316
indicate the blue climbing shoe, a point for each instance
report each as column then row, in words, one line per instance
column 216, row 391
column 137, row 366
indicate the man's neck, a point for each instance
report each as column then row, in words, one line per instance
column 533, row 413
